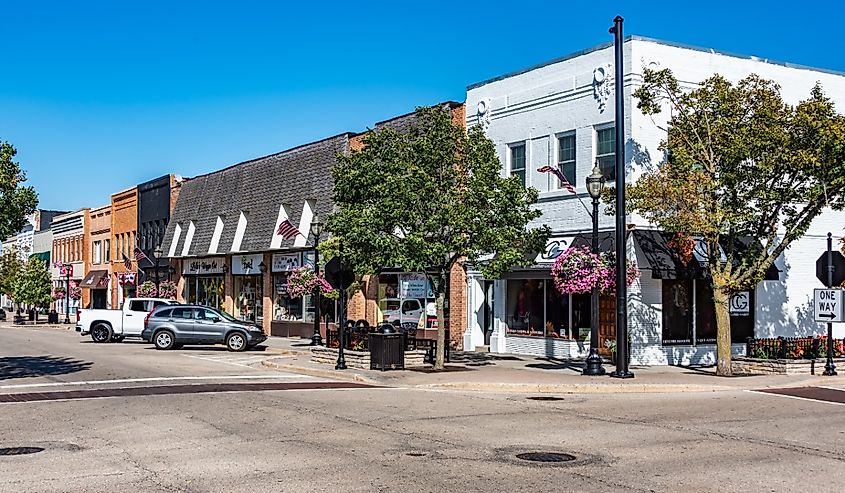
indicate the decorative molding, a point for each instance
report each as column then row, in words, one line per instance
column 483, row 113
column 602, row 77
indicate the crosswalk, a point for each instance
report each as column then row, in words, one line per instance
column 242, row 360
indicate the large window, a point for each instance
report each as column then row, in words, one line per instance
column 205, row 290
column 96, row 252
column 285, row 307
column 536, row 308
column 107, row 251
column 689, row 314
column 406, row 298
column 248, row 298
column 606, row 152
column 518, row 161
column 566, row 157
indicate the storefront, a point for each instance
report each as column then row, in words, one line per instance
column 204, row 281
column 248, row 273
column 404, row 297
column 127, row 284
column 64, row 275
column 97, row 282
column 294, row 316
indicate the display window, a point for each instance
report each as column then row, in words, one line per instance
column 285, row 307
column 206, row 291
column 689, row 313
column 248, row 298
column 406, row 298
column 536, row 309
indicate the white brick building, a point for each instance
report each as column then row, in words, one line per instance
column 562, row 113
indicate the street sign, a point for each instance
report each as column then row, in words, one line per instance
column 838, row 268
column 827, row 305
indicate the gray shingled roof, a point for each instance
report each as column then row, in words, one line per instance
column 257, row 187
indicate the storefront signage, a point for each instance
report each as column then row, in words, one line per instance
column 740, row 304
column 247, row 265
column 286, row 262
column 202, row 266
column 554, row 247
column 412, row 285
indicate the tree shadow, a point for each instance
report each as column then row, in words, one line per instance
column 38, row 366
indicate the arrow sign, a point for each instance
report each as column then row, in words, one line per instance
column 828, row 305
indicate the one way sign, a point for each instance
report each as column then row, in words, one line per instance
column 827, row 305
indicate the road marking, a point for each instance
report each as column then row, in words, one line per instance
column 150, row 379
column 243, row 361
column 804, row 390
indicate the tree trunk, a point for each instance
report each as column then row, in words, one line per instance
column 723, row 333
column 440, row 354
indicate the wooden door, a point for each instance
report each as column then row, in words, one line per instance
column 607, row 322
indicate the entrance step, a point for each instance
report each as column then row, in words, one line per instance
column 482, row 349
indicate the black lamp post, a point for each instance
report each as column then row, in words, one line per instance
column 67, row 269
column 316, row 231
column 170, row 272
column 595, row 184
column 158, row 253
column 262, row 267
column 621, row 256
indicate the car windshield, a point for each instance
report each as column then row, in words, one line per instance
column 226, row 316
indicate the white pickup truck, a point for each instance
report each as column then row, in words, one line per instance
column 114, row 325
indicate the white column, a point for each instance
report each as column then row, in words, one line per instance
column 498, row 341
column 474, row 335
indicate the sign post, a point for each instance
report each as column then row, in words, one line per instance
column 829, row 367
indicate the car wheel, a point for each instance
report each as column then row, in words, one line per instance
column 101, row 333
column 164, row 340
column 236, row 342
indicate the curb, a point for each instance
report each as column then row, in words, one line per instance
column 527, row 388
column 319, row 372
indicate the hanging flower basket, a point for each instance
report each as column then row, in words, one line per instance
column 75, row 291
column 167, row 289
column 578, row 269
column 59, row 293
column 304, row 281
column 147, row 290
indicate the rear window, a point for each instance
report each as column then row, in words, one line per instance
column 183, row 313
column 163, row 314
column 138, row 306
column 158, row 303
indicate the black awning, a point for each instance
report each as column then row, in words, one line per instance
column 665, row 263
column 95, row 279
column 607, row 241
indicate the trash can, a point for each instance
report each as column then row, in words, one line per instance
column 387, row 350
column 53, row 317
column 31, row 315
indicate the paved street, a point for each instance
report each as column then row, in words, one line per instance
column 279, row 431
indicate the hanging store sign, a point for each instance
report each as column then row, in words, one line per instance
column 247, row 265
column 554, row 247
column 286, row 262
column 740, row 304
column 203, row 266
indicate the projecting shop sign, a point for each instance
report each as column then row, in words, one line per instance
column 827, row 305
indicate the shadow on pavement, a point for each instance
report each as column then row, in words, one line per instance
column 38, row 366
column 710, row 371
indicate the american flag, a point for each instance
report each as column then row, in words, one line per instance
column 127, row 263
column 561, row 177
column 139, row 255
column 287, row 230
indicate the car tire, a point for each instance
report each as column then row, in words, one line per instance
column 164, row 340
column 101, row 333
column 236, row 342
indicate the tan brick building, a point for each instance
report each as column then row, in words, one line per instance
column 70, row 237
column 124, row 225
column 98, row 284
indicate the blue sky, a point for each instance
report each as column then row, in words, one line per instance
column 100, row 96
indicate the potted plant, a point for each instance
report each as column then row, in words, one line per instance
column 610, row 344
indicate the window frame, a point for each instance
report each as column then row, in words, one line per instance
column 511, row 148
column 574, row 178
column 610, row 177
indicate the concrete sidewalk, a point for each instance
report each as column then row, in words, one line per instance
column 527, row 374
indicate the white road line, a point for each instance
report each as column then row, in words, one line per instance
column 226, row 361
column 830, row 388
column 798, row 398
column 150, row 379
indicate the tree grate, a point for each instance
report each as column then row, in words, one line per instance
column 20, row 450
column 545, row 457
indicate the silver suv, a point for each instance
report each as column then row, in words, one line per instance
column 171, row 326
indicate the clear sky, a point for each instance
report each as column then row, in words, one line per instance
column 100, row 96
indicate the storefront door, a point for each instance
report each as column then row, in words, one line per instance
column 487, row 322
column 607, row 322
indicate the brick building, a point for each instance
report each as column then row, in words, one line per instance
column 97, row 286
column 70, row 238
column 124, row 228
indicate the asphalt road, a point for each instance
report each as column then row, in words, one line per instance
column 286, row 432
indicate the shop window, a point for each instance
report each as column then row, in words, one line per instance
column 206, row 291
column 285, row 307
column 677, row 311
column 678, row 308
column 406, row 298
column 248, row 298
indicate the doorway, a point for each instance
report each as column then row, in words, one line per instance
column 487, row 309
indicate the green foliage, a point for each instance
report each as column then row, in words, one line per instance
column 739, row 162
column 16, row 201
column 422, row 199
column 10, row 267
column 32, row 286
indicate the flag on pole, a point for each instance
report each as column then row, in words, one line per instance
column 561, row 177
column 287, row 230
column 140, row 255
column 127, row 263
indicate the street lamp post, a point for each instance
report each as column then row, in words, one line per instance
column 158, row 253
column 316, row 230
column 595, row 184
column 67, row 293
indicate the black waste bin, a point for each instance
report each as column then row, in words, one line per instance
column 31, row 315
column 387, row 351
column 53, row 317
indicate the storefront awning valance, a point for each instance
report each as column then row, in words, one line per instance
column 44, row 256
column 96, row 279
column 665, row 263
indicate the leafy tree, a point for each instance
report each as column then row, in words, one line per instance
column 32, row 286
column 740, row 163
column 425, row 198
column 10, row 267
column 16, row 201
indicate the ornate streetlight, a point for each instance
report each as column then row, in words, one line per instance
column 158, row 253
column 316, row 231
column 595, row 185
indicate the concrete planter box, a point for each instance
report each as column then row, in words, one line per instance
column 360, row 360
column 756, row 366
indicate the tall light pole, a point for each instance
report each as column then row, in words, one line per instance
column 595, row 184
column 621, row 255
column 68, row 272
column 316, row 230
column 158, row 253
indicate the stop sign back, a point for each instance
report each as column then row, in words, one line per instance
column 838, row 268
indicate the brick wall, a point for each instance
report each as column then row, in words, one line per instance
column 124, row 224
column 457, row 306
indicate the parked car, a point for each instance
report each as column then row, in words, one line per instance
column 173, row 326
column 115, row 325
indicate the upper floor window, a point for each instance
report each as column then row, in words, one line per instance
column 566, row 157
column 96, row 252
column 518, row 161
column 107, row 251
column 606, row 152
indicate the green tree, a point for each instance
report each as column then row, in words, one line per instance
column 425, row 198
column 740, row 163
column 32, row 286
column 16, row 201
column 10, row 267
